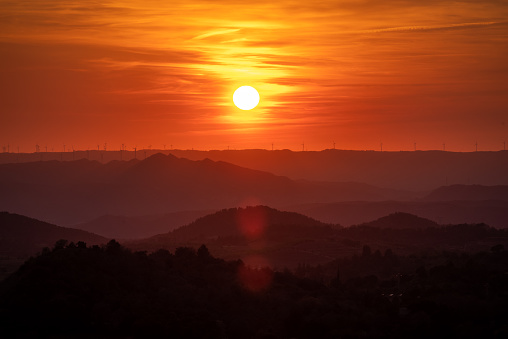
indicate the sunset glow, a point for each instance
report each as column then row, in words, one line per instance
column 356, row 73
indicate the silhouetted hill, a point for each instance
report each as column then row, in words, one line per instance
column 68, row 193
column 468, row 192
column 400, row 220
column 24, row 236
column 248, row 221
column 136, row 227
column 254, row 234
column 491, row 212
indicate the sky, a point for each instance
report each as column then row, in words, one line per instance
column 355, row 74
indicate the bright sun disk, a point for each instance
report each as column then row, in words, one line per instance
column 246, row 98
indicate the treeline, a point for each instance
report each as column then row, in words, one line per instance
column 462, row 237
column 78, row 291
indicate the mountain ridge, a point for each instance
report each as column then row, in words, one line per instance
column 69, row 193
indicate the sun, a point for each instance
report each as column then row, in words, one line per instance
column 246, row 98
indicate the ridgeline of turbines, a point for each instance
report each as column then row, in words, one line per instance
column 123, row 153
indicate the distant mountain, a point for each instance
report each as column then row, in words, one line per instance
column 137, row 227
column 405, row 170
column 401, row 220
column 491, row 212
column 68, row 193
column 468, row 192
column 24, row 236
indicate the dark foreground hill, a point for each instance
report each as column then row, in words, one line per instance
column 23, row 236
column 68, row 193
column 109, row 292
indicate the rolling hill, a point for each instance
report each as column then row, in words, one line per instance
column 251, row 223
column 258, row 235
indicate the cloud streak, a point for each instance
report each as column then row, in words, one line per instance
column 432, row 28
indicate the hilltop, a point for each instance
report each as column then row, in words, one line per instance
column 400, row 220
column 24, row 236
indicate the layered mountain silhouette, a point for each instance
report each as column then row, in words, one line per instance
column 69, row 193
column 23, row 236
column 418, row 171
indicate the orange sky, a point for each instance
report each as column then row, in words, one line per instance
column 163, row 72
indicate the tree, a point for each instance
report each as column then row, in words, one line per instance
column 203, row 252
column 366, row 252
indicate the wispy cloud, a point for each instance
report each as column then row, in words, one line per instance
column 221, row 32
column 432, row 28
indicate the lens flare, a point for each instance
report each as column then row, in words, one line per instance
column 252, row 222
